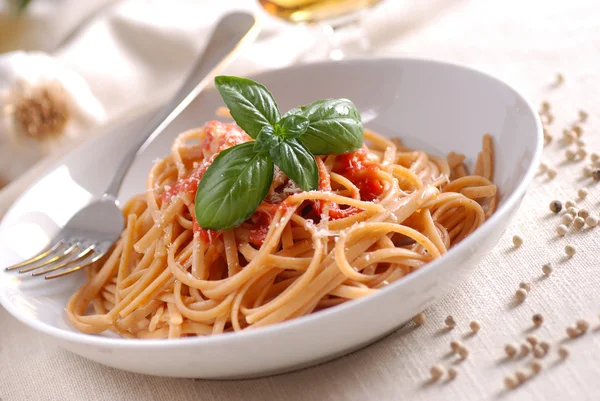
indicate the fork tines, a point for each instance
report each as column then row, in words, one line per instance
column 70, row 255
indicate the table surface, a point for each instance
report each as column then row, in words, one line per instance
column 525, row 43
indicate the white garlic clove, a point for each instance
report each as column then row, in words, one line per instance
column 44, row 107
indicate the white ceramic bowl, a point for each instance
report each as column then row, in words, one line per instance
column 434, row 106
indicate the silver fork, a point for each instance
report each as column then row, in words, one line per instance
column 91, row 232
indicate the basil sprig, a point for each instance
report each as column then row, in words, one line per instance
column 239, row 178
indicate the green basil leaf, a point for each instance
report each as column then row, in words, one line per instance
column 296, row 161
column 266, row 140
column 291, row 126
column 251, row 105
column 335, row 126
column 232, row 187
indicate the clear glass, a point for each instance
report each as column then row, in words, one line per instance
column 340, row 21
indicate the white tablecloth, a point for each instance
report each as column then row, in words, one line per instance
column 525, row 43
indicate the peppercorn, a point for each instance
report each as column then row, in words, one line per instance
column 570, row 250
column 567, row 219
column 563, row 352
column 524, row 349
column 583, row 213
column 517, row 241
column 578, row 223
column 525, row 286
column 419, row 319
column 592, row 220
column 562, row 230
column 533, row 340
column 537, row 319
column 582, row 326
column 511, row 350
column 437, row 371
column 555, row 206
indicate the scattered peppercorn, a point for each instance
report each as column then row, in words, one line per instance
column 583, row 325
column 552, row 174
column 563, row 352
column 463, row 352
column 437, row 371
column 570, row 250
column 537, row 319
column 555, row 206
column 582, row 193
column 572, row 211
column 580, row 143
column 545, row 346
column 581, row 153
column 570, row 155
column 517, row 241
column 419, row 319
column 525, row 349
column 577, row 130
column 570, row 203
column 521, row 294
column 595, row 175
column 538, row 352
column 475, row 326
column 452, row 373
column 567, row 219
column 587, row 171
column 450, row 322
column 569, row 136
column 578, row 223
column 560, row 79
column 583, row 116
column 573, row 332
column 521, row 376
column 547, row 269
column 536, row 367
column 562, row 230
column 592, row 220
column 545, row 106
column 532, row 339
column 511, row 381
column 455, row 345
column 525, row 286
column 510, row 350
column 583, row 213
column 594, row 157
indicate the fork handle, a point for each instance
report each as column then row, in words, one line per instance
column 232, row 33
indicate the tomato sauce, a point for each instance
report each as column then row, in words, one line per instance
column 261, row 221
column 218, row 136
column 206, row 235
column 361, row 172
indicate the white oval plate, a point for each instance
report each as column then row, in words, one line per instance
column 433, row 106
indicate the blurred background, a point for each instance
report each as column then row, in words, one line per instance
column 68, row 67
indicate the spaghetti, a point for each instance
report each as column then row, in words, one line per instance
column 380, row 213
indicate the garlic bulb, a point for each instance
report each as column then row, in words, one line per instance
column 44, row 107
